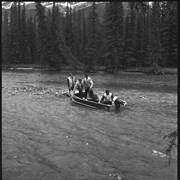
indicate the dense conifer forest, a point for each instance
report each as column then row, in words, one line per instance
column 141, row 36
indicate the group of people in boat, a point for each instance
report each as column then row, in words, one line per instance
column 84, row 87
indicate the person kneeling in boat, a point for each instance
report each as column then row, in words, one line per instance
column 71, row 81
column 78, row 86
column 92, row 96
column 107, row 98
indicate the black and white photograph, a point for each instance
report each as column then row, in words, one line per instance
column 89, row 90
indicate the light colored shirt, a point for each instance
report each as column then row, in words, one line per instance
column 78, row 86
column 71, row 81
column 108, row 97
column 114, row 98
column 88, row 82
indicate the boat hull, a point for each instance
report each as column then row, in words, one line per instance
column 92, row 104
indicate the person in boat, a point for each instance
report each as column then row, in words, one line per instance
column 118, row 102
column 92, row 96
column 78, row 86
column 71, row 80
column 88, row 84
column 107, row 98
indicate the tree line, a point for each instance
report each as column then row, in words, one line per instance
column 140, row 36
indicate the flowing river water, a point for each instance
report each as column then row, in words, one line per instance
column 46, row 136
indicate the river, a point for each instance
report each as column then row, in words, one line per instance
column 46, row 136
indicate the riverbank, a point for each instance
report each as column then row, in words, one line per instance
column 145, row 70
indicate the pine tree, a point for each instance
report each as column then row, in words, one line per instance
column 145, row 61
column 92, row 54
column 148, row 38
column 108, row 35
column 139, row 47
column 64, row 51
column 174, row 52
column 84, row 37
column 42, row 34
column 126, row 49
column 31, row 40
column 130, row 36
column 5, row 39
column 76, row 32
column 114, row 21
column 53, row 45
column 118, row 22
column 68, row 27
column 34, row 41
column 155, row 35
column 19, row 25
column 169, row 33
column 23, row 36
column 49, row 18
column 15, row 51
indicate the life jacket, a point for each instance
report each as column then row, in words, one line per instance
column 108, row 97
column 87, row 82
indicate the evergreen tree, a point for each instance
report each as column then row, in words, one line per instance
column 174, row 52
column 15, row 51
column 169, row 33
column 148, row 38
column 68, row 27
column 144, row 36
column 155, row 35
column 92, row 54
column 114, row 21
column 79, row 34
column 84, row 37
column 130, row 36
column 42, row 34
column 23, row 36
column 53, row 45
column 49, row 18
column 5, row 39
column 76, row 31
column 35, row 60
column 146, row 27
column 118, row 22
column 31, row 39
column 65, row 52
column 139, row 47
column 61, row 36
column 108, row 35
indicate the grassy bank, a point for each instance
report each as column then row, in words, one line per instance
column 68, row 68
column 149, row 70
